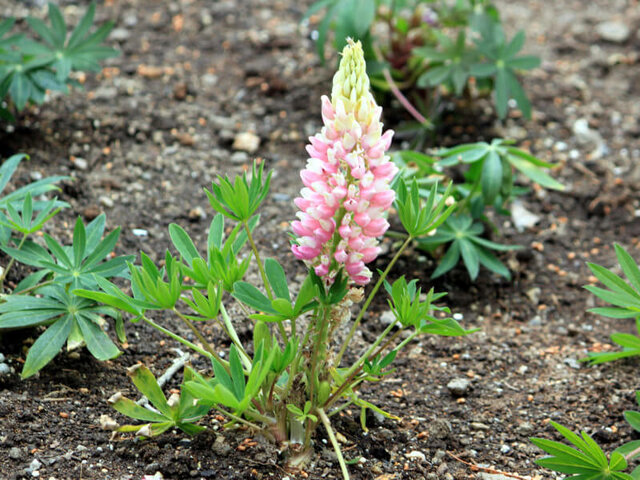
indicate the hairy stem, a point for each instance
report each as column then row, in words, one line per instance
column 372, row 294
column 263, row 274
column 334, row 441
column 234, row 337
column 184, row 341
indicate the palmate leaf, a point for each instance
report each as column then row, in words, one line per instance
column 466, row 242
column 64, row 313
column 585, row 461
column 180, row 414
column 626, row 300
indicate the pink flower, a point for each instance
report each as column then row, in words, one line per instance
column 346, row 180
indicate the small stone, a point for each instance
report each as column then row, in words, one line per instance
column 2, row 357
column 120, row 34
column 4, row 369
column 522, row 218
column 534, row 295
column 35, row 175
column 158, row 137
column 197, row 213
column 186, row 140
column 525, row 429
column 15, row 453
column 220, row 446
column 535, row 321
column 140, row 232
column 493, row 476
column 239, row 158
column 281, row 197
column 458, row 386
column 572, row 363
column 180, row 91
column 246, row 141
column 79, row 163
column 505, row 449
column 33, row 466
column 613, row 31
column 387, row 318
column 105, row 93
column 480, row 426
column 108, row 423
column 91, row 212
column 416, row 455
column 105, row 201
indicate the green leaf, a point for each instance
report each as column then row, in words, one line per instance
column 518, row 94
column 434, row 76
column 491, row 176
column 629, row 266
column 524, row 62
column 612, row 281
column 82, row 28
column 237, row 374
column 535, row 174
column 501, row 92
column 277, row 278
column 132, row 409
column 183, row 243
column 46, row 346
column 470, row 258
column 515, row 45
column 250, row 295
column 633, row 418
column 448, row 261
column 146, row 382
column 98, row 342
column 362, row 13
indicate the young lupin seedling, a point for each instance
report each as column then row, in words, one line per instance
column 292, row 379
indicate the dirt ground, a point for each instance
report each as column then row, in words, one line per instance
column 158, row 124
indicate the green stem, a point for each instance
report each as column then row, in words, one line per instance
column 319, row 345
column 357, row 366
column 334, row 441
column 406, row 340
column 234, row 337
column 465, row 201
column 263, row 274
column 35, row 287
column 11, row 262
column 372, row 294
column 237, row 418
column 184, row 341
column 196, row 332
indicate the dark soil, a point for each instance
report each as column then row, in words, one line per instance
column 158, row 124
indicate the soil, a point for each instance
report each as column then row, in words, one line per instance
column 158, row 123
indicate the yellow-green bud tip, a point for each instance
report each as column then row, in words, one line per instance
column 351, row 83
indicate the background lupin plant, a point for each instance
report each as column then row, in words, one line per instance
column 44, row 297
column 587, row 460
column 418, row 48
column 290, row 379
column 28, row 68
column 489, row 181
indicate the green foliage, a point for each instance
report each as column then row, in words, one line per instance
column 179, row 411
column 28, row 68
column 488, row 172
column 586, row 461
column 44, row 298
column 285, row 381
column 439, row 44
column 466, row 242
column 625, row 296
column 239, row 200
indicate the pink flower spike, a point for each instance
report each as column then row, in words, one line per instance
column 347, row 179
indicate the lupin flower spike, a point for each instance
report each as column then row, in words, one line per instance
column 347, row 178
